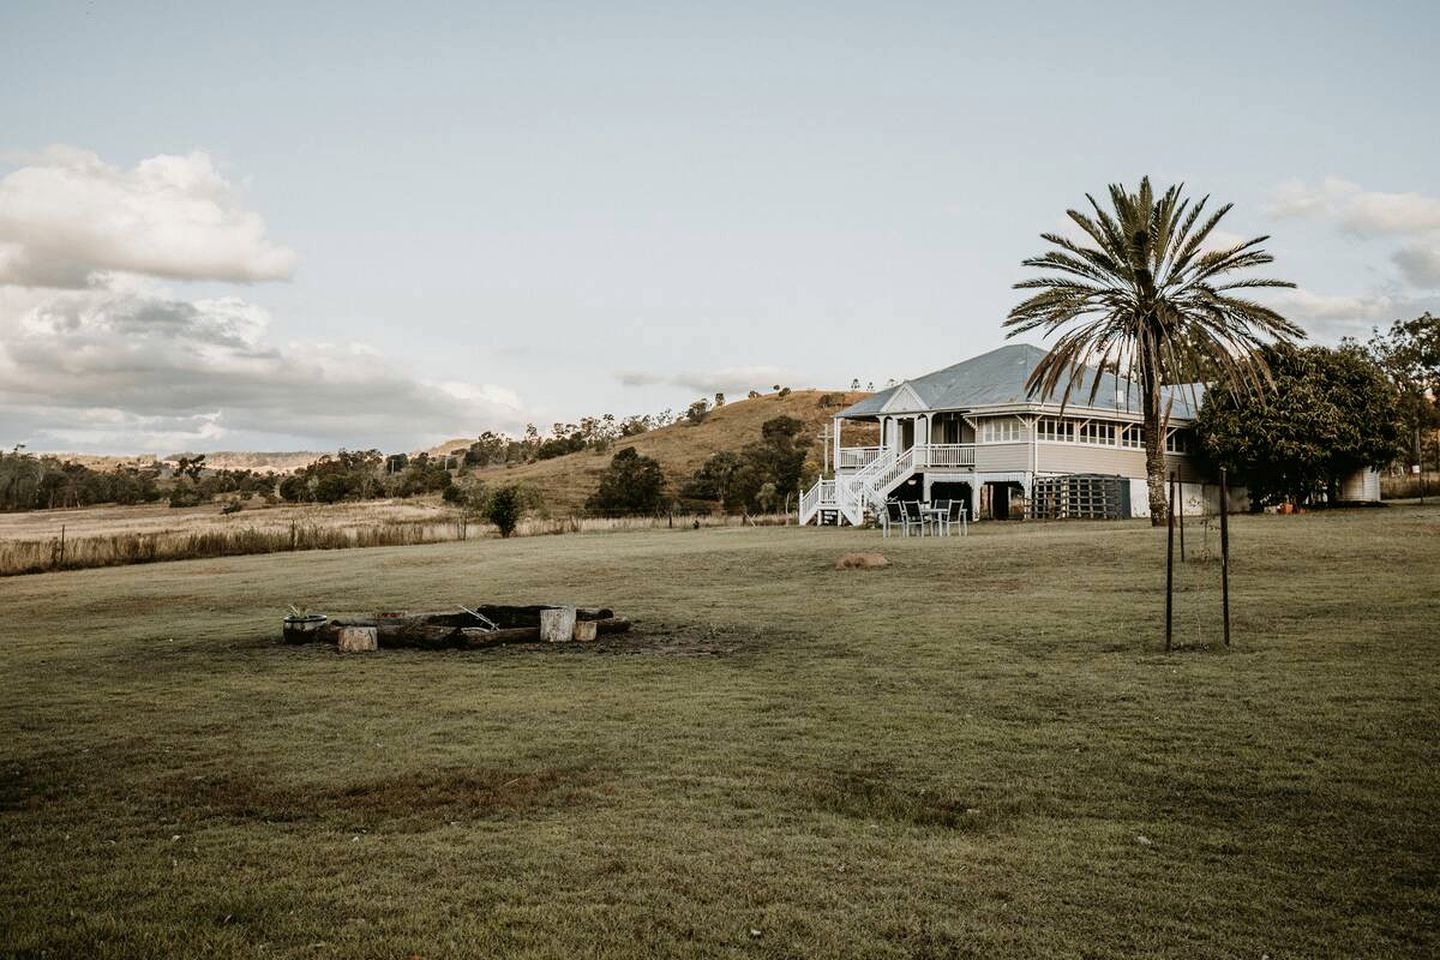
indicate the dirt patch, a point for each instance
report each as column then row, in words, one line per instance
column 662, row 640
column 860, row 561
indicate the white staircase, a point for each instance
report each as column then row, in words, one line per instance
column 852, row 495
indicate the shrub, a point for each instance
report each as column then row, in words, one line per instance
column 185, row 495
column 505, row 506
column 697, row 411
column 295, row 488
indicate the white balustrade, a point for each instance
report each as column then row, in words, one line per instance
column 868, row 474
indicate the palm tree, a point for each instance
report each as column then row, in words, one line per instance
column 1153, row 302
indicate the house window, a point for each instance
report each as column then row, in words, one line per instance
column 1055, row 430
column 1002, row 430
column 1133, row 436
column 1177, row 441
column 1092, row 431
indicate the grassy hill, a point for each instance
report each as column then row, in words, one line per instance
column 565, row 482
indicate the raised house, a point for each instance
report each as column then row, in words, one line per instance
column 971, row 433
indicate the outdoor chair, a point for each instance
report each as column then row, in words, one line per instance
column 941, row 517
column 914, row 517
column 958, row 512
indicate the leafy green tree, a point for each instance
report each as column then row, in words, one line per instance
column 1332, row 412
column 632, row 484
column 1148, row 295
column 1410, row 353
column 506, row 505
column 762, row 476
column 778, row 458
column 717, row 480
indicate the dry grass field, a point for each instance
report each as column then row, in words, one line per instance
column 49, row 540
column 979, row 750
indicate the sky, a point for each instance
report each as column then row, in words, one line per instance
column 275, row 226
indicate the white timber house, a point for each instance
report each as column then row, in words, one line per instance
column 971, row 433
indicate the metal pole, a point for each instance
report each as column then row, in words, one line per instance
column 1180, row 520
column 1170, row 567
column 1225, row 552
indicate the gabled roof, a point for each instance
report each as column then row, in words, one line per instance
column 998, row 378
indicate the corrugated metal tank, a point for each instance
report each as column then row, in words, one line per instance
column 1361, row 485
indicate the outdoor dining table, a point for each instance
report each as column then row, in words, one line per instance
column 938, row 516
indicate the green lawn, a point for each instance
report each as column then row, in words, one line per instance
column 979, row 751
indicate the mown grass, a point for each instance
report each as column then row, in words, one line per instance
column 977, row 751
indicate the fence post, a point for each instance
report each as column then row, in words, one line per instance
column 62, row 545
column 1225, row 552
column 1170, row 567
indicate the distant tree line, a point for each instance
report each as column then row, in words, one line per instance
column 32, row 482
column 634, row 484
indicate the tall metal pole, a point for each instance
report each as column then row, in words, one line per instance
column 1170, row 567
column 1225, row 552
column 1180, row 517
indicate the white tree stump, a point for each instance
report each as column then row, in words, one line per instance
column 586, row 629
column 357, row 639
column 557, row 625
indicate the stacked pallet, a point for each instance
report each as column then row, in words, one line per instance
column 1080, row 496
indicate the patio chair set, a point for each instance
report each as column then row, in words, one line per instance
column 938, row 518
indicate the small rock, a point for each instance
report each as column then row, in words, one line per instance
column 1143, row 840
column 754, row 933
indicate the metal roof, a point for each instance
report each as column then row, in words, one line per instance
column 998, row 378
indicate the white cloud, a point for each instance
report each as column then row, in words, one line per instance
column 1420, row 264
column 729, row 380
column 134, row 368
column 1364, row 212
column 67, row 216
column 1332, row 316
column 96, row 355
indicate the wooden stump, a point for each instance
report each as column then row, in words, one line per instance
column 357, row 639
column 586, row 629
column 557, row 625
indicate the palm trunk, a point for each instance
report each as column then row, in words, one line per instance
column 1154, row 444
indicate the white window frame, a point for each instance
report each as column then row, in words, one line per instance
column 1105, row 429
column 1002, row 430
column 1055, row 430
column 1177, row 442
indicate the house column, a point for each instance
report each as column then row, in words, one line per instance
column 835, row 462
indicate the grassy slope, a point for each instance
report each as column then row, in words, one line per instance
column 565, row 482
column 955, row 756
